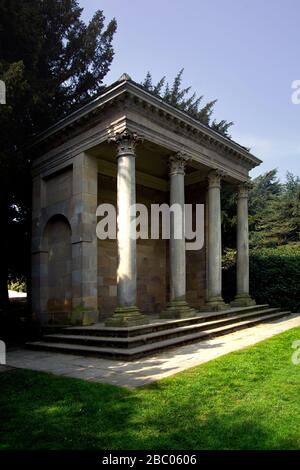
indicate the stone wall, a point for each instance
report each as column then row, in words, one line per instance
column 107, row 254
column 52, row 248
column 152, row 260
column 59, row 187
column 64, row 244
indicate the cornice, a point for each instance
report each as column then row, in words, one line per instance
column 227, row 148
column 187, row 125
column 186, row 122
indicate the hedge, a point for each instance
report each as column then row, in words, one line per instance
column 274, row 277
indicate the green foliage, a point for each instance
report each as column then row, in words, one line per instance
column 284, row 225
column 229, row 258
column 51, row 62
column 78, row 313
column 177, row 96
column 228, row 208
column 274, row 212
column 263, row 199
column 229, row 274
column 17, row 284
column 64, row 60
column 246, row 400
column 222, row 127
column 274, row 276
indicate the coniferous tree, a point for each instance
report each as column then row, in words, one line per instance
column 51, row 62
column 274, row 212
column 263, row 198
column 283, row 220
column 178, row 97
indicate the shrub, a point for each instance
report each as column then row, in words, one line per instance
column 17, row 284
column 274, row 277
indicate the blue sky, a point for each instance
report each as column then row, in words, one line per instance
column 245, row 53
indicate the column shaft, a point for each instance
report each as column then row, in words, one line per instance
column 242, row 265
column 214, row 241
column 242, row 246
column 177, row 246
column 126, row 313
column 177, row 307
column 214, row 245
column 126, row 273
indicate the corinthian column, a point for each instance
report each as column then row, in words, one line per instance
column 177, row 307
column 242, row 298
column 214, row 245
column 126, row 313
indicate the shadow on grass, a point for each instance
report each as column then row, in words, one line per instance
column 245, row 400
column 48, row 412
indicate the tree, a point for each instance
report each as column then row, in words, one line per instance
column 51, row 62
column 179, row 97
column 274, row 212
column 283, row 223
column 262, row 200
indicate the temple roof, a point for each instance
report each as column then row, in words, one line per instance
column 125, row 86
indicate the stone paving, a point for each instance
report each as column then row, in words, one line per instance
column 149, row 369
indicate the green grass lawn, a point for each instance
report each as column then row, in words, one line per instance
column 249, row 399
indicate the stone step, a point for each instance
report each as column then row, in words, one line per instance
column 152, row 348
column 158, row 325
column 135, row 341
column 52, row 329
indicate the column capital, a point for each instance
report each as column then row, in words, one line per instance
column 214, row 178
column 126, row 141
column 177, row 163
column 243, row 189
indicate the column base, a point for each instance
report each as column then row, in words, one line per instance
column 216, row 304
column 178, row 309
column 83, row 316
column 242, row 300
column 127, row 316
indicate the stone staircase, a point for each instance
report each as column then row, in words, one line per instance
column 137, row 341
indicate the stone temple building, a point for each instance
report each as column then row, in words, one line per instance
column 128, row 146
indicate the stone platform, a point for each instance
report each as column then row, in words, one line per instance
column 147, row 369
column 137, row 341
